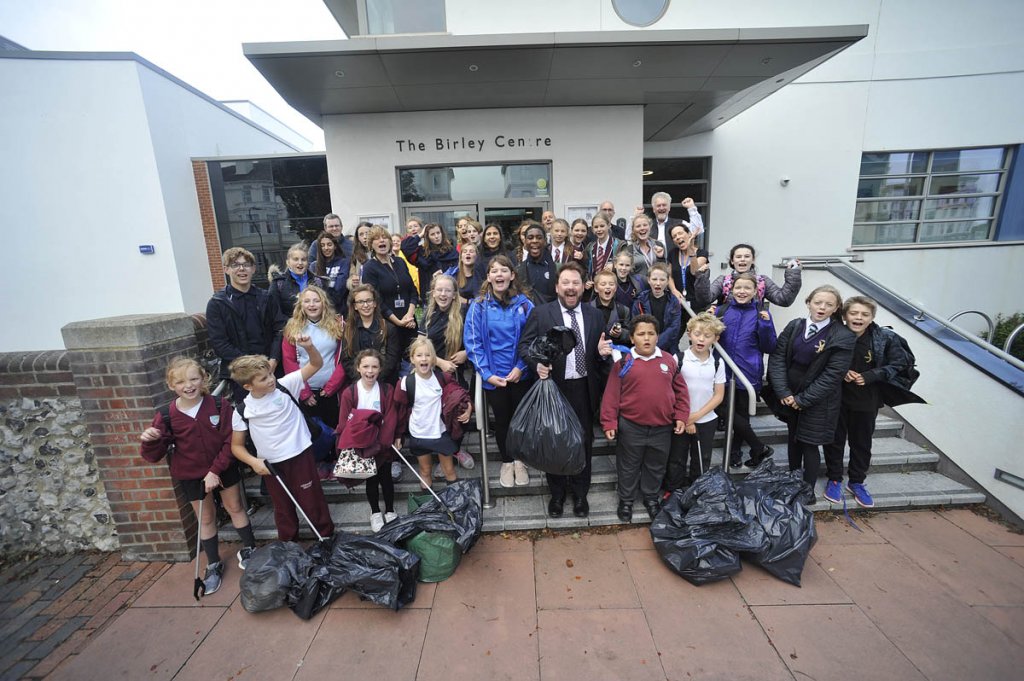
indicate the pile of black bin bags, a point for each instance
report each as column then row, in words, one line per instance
column 378, row 568
column 703, row 532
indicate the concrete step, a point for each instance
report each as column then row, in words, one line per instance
column 891, row 491
column 767, row 427
column 889, row 455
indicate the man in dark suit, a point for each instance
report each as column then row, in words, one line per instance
column 576, row 375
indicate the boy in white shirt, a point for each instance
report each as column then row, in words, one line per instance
column 279, row 432
column 705, row 381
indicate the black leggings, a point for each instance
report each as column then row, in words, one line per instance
column 803, row 455
column 383, row 478
column 503, row 402
column 741, row 429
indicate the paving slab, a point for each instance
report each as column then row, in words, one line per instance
column 595, row 645
column 984, row 529
column 974, row 572
column 1009, row 619
column 502, row 543
column 759, row 587
column 483, row 624
column 635, row 539
column 1014, row 553
column 695, row 627
column 174, row 588
column 143, row 643
column 815, row 643
column 355, row 644
column 585, row 571
column 264, row 645
column 943, row 637
column 833, row 529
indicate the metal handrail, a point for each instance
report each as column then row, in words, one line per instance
column 480, row 405
column 923, row 312
column 1009, row 339
column 221, row 387
column 988, row 320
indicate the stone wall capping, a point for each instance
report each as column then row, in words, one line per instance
column 127, row 331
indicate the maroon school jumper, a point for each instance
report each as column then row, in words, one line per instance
column 201, row 444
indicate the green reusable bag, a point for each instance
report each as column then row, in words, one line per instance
column 439, row 554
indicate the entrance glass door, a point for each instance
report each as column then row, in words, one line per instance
column 509, row 218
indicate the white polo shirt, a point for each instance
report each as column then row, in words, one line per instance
column 701, row 377
column 276, row 425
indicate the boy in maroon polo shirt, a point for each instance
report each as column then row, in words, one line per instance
column 645, row 402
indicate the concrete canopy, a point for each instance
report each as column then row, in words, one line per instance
column 688, row 81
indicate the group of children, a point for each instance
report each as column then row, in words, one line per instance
column 660, row 405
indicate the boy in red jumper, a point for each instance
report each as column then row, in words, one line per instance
column 645, row 402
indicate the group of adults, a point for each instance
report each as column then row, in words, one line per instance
column 483, row 300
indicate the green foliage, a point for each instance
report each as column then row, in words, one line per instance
column 1004, row 327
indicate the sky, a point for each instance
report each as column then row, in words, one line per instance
column 197, row 41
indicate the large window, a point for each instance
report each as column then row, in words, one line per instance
column 387, row 17
column 946, row 195
column 680, row 178
column 473, row 183
column 266, row 205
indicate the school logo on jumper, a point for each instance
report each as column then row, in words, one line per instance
column 215, row 420
column 820, row 348
column 664, row 368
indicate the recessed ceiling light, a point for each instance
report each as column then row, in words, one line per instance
column 474, row 67
column 780, row 80
column 637, row 63
column 721, row 118
column 648, row 172
column 766, row 60
column 339, row 74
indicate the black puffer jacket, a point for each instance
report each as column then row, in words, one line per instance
column 819, row 396
column 230, row 334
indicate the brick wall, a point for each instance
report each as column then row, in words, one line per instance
column 209, row 219
column 35, row 375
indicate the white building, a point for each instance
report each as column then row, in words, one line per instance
column 97, row 152
column 771, row 115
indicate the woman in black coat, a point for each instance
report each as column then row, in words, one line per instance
column 390, row 277
column 805, row 372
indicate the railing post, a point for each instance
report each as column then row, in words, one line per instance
column 728, row 423
column 480, row 404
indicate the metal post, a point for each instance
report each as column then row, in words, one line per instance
column 480, row 403
column 728, row 424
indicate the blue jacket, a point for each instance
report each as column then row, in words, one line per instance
column 491, row 335
column 747, row 338
column 671, row 324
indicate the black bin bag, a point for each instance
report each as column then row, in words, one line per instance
column 463, row 499
column 273, row 571
column 545, row 432
column 378, row 571
column 789, row 534
column 698, row 560
column 782, row 484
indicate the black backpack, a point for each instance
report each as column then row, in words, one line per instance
column 410, row 385
column 909, row 375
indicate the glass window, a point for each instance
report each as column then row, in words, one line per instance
column 680, row 178
column 473, row 183
column 387, row 17
column 951, row 195
column 640, row 12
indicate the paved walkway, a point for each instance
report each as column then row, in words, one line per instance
column 921, row 595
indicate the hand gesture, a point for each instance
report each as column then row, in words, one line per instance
column 311, row 401
column 464, row 416
column 610, row 434
column 691, row 428
column 302, row 341
column 260, row 467
column 150, row 435
column 497, row 381
column 679, row 427
column 639, row 209
column 688, row 203
column 211, row 481
column 659, row 251
column 514, row 375
column 604, row 346
column 543, row 371
column 764, row 315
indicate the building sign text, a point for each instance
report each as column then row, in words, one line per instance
column 464, row 143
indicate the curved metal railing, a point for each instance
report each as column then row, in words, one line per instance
column 988, row 320
column 1012, row 337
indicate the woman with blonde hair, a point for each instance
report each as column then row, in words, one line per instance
column 645, row 250
column 389, row 276
column 313, row 315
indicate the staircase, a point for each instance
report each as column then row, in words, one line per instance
column 903, row 475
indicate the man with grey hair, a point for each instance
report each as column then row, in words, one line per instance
column 662, row 224
column 608, row 209
column 332, row 225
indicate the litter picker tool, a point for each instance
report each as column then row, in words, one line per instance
column 199, row 588
column 700, row 457
column 423, row 482
column 273, row 471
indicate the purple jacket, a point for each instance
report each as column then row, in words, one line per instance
column 747, row 338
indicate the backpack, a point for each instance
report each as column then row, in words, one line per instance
column 909, row 375
column 165, row 416
column 727, row 287
column 410, row 386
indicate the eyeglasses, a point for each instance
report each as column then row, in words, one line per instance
column 241, row 266
column 364, row 302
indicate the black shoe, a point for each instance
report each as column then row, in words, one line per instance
column 581, row 507
column 653, row 507
column 625, row 511
column 736, row 459
column 555, row 507
column 755, row 461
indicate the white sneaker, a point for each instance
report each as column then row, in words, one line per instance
column 507, row 476
column 376, row 522
column 465, row 459
column 438, row 473
column 389, row 516
column 521, row 474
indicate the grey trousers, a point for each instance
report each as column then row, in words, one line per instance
column 641, row 456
